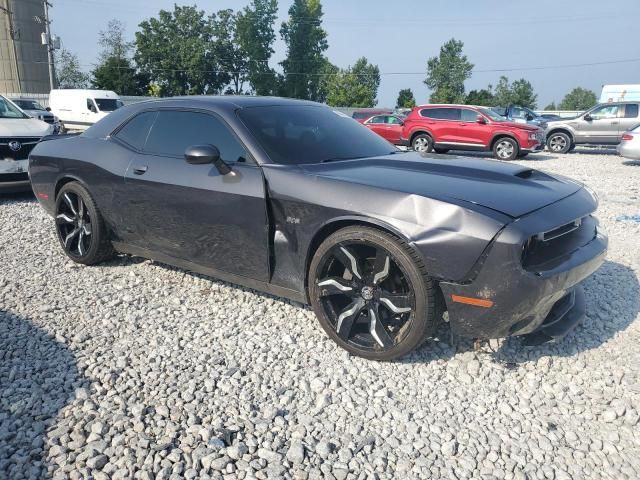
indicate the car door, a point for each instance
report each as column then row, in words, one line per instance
column 447, row 124
column 472, row 132
column 193, row 212
column 600, row 125
column 393, row 129
column 628, row 119
column 376, row 124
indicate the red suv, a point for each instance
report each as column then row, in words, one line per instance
column 464, row 127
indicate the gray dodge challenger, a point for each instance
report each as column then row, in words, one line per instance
column 296, row 200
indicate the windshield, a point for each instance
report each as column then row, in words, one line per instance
column 301, row 134
column 492, row 115
column 28, row 104
column 9, row 110
column 108, row 104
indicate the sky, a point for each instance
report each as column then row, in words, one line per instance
column 548, row 42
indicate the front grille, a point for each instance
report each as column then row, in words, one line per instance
column 48, row 118
column 543, row 250
column 26, row 145
column 14, row 177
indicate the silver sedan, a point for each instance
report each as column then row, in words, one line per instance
column 629, row 147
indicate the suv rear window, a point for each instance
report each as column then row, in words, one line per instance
column 442, row 113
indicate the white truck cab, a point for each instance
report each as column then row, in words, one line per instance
column 79, row 109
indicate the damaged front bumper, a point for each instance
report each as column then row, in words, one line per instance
column 538, row 291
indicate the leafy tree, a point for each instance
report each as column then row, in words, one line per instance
column 305, row 41
column 520, row 93
column 482, row 97
column 68, row 70
column 578, row 99
column 405, row 99
column 356, row 86
column 551, row 106
column 227, row 49
column 447, row 73
column 178, row 51
column 255, row 35
column 116, row 71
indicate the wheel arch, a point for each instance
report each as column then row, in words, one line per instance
column 419, row 132
column 500, row 135
column 564, row 130
column 63, row 180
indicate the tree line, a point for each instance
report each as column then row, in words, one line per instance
column 189, row 52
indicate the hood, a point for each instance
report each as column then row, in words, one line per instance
column 510, row 189
column 24, row 127
column 523, row 126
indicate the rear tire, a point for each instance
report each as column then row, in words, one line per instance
column 506, row 148
column 559, row 142
column 80, row 226
column 422, row 143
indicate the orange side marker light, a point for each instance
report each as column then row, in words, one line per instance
column 478, row 302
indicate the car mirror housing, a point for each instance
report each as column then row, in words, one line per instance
column 588, row 117
column 481, row 120
column 203, row 154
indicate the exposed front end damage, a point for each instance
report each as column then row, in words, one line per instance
column 529, row 278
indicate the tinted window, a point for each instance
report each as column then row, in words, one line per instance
column 469, row 115
column 299, row 134
column 394, row 120
column 631, row 110
column 90, row 105
column 136, row 130
column 605, row 111
column 376, row 120
column 174, row 131
column 442, row 113
column 361, row 115
column 108, row 104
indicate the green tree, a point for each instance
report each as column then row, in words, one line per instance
column 227, row 49
column 68, row 72
column 255, row 35
column 356, row 86
column 520, row 92
column 178, row 51
column 447, row 73
column 482, row 97
column 405, row 99
column 551, row 106
column 578, row 99
column 116, row 71
column 306, row 41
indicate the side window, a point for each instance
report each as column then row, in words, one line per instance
column 135, row 131
column 174, row 131
column 451, row 113
column 469, row 115
column 90, row 105
column 631, row 110
column 377, row 120
column 393, row 120
column 517, row 112
column 441, row 113
column 605, row 111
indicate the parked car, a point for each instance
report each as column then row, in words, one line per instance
column 364, row 113
column 79, row 109
column 19, row 133
column 34, row 109
column 521, row 115
column 388, row 127
column 603, row 124
column 550, row 116
column 629, row 146
column 294, row 199
column 464, row 127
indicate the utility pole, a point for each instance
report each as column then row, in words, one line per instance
column 50, row 46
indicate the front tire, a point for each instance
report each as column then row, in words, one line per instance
column 506, row 148
column 371, row 294
column 559, row 142
column 80, row 226
column 422, row 143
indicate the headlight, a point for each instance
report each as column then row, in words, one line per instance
column 533, row 136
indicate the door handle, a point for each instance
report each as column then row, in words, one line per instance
column 140, row 170
column 614, row 123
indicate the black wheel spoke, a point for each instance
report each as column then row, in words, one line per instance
column 335, row 286
column 80, row 208
column 74, row 233
column 395, row 303
column 86, row 229
column 349, row 259
column 64, row 218
column 69, row 203
column 347, row 317
column 80, row 240
column 377, row 330
column 73, row 223
column 381, row 266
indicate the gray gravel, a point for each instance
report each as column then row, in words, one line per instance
column 137, row 370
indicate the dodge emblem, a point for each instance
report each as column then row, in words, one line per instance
column 15, row 145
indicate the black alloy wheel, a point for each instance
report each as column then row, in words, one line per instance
column 370, row 295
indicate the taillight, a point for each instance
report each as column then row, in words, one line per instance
column 627, row 136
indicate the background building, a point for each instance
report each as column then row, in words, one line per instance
column 24, row 66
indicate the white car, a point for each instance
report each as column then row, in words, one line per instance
column 34, row 109
column 629, row 147
column 19, row 133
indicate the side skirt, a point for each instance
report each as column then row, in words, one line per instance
column 211, row 272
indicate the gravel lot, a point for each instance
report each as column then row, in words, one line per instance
column 137, row 370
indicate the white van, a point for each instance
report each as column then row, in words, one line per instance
column 620, row 93
column 79, row 109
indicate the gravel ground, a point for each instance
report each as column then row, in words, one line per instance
column 137, row 370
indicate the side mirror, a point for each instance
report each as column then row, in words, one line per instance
column 203, row 154
column 588, row 117
column 481, row 120
column 529, row 117
column 48, row 109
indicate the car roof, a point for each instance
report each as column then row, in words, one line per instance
column 238, row 101
column 455, row 105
